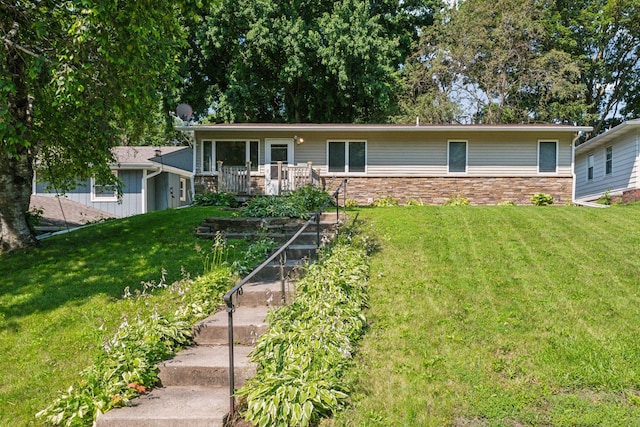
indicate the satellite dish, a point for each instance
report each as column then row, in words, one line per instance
column 184, row 111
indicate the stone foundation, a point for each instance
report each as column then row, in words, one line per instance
column 479, row 190
column 630, row 196
column 209, row 183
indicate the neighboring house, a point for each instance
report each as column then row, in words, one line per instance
column 610, row 162
column 153, row 178
column 487, row 164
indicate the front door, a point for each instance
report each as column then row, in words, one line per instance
column 279, row 153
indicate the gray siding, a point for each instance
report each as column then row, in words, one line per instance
column 423, row 153
column 624, row 173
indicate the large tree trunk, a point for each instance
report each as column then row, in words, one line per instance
column 16, row 160
column 15, row 194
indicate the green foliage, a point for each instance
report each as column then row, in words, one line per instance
column 456, row 201
column 414, row 202
column 541, row 199
column 215, row 199
column 297, row 204
column 254, row 254
column 308, row 61
column 302, row 358
column 507, row 203
column 606, row 198
column 351, row 203
column 126, row 367
column 385, row 201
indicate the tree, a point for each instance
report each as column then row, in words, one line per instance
column 75, row 75
column 302, row 60
column 603, row 38
column 490, row 58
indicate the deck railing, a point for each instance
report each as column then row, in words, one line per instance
column 279, row 255
column 234, row 179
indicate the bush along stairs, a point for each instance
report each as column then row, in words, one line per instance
column 194, row 389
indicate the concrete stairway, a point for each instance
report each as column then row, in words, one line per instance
column 194, row 389
column 195, row 383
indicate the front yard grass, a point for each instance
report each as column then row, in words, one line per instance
column 59, row 302
column 501, row 316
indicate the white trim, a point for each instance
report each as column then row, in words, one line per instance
column 268, row 142
column 96, row 198
column 466, row 157
column 262, row 127
column 346, row 170
column 214, row 160
column 183, row 189
column 607, row 148
column 555, row 172
column 591, row 162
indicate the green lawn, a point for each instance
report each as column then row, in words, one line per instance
column 501, row 316
column 58, row 302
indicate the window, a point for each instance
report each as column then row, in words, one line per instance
column 457, row 156
column 590, row 167
column 183, row 189
column 608, row 164
column 347, row 156
column 230, row 153
column 101, row 192
column 547, row 156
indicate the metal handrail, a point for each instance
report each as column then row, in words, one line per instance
column 237, row 289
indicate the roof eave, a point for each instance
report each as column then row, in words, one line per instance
column 384, row 128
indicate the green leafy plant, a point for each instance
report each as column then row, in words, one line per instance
column 351, row 203
column 301, row 359
column 385, row 201
column 507, row 203
column 215, row 199
column 126, row 366
column 606, row 198
column 297, row 204
column 415, row 202
column 456, row 201
column 541, row 199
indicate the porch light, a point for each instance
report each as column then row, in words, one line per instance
column 298, row 140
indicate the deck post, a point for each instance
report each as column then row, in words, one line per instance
column 310, row 172
column 220, row 186
column 248, row 177
column 279, row 177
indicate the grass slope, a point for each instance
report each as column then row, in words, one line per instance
column 501, row 316
column 58, row 302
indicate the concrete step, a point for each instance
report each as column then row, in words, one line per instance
column 248, row 325
column 264, row 294
column 191, row 406
column 271, row 272
column 206, row 366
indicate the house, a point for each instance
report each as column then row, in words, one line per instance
column 487, row 164
column 153, row 178
column 610, row 162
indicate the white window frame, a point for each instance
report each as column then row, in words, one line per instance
column 100, row 198
column 466, row 157
column 590, row 166
column 183, row 189
column 608, row 162
column 555, row 141
column 214, row 161
column 346, row 156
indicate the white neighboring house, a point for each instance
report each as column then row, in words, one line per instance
column 154, row 178
column 609, row 162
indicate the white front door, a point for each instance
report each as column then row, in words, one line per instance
column 276, row 150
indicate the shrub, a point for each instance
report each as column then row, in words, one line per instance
column 507, row 203
column 351, row 203
column 414, row 202
column 384, row 202
column 541, row 199
column 215, row 199
column 456, row 201
column 302, row 357
column 297, row 204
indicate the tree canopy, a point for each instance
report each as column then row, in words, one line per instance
column 76, row 75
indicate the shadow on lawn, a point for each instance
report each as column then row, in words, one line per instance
column 102, row 260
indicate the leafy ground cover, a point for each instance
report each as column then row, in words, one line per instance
column 59, row 302
column 501, row 316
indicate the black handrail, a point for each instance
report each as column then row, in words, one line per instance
column 237, row 289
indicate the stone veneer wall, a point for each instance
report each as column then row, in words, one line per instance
column 479, row 190
column 629, row 196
